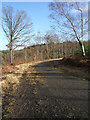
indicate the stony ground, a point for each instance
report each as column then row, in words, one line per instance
column 39, row 91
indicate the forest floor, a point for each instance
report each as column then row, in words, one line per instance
column 41, row 90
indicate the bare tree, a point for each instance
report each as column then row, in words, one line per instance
column 38, row 40
column 70, row 19
column 51, row 39
column 17, row 28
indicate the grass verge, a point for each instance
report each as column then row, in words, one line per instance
column 77, row 66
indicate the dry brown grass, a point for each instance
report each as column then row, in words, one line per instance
column 7, row 67
column 75, row 65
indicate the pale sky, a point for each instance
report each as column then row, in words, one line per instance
column 37, row 11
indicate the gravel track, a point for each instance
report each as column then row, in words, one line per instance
column 43, row 92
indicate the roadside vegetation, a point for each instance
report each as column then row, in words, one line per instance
column 68, row 50
column 76, row 65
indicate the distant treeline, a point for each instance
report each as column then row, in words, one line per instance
column 45, row 51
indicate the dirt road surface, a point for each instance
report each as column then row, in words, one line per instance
column 43, row 92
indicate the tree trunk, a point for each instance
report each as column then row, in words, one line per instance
column 25, row 54
column 62, row 49
column 83, row 50
column 11, row 57
column 82, row 47
column 47, row 51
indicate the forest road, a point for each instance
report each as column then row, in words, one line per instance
column 49, row 93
